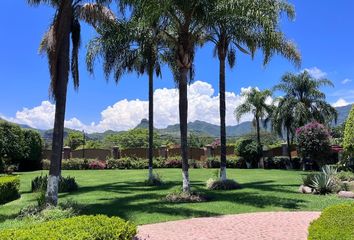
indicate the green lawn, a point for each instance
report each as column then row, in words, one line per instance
column 122, row 193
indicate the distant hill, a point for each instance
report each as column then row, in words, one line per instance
column 343, row 113
column 196, row 127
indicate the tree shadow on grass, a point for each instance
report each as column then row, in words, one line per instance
column 271, row 186
column 149, row 200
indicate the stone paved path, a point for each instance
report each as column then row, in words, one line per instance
column 250, row 226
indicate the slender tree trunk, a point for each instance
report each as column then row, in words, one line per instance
column 222, row 119
column 288, row 142
column 183, row 119
column 151, row 122
column 62, row 65
column 260, row 150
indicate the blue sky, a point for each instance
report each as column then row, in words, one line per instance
column 323, row 31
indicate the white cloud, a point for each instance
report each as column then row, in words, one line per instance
column 316, row 72
column 340, row 103
column 126, row 114
column 347, row 80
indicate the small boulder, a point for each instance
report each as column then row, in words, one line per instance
column 305, row 189
column 346, row 194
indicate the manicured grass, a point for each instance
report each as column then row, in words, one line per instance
column 123, row 193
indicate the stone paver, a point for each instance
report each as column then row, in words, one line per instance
column 250, row 226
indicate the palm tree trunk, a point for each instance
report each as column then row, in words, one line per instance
column 222, row 120
column 61, row 84
column 151, row 122
column 183, row 119
column 260, row 150
column 288, row 142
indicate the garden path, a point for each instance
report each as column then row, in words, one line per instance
column 249, row 226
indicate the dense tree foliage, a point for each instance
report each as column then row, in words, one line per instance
column 19, row 147
column 313, row 141
column 348, row 140
column 135, row 138
column 249, row 150
column 74, row 140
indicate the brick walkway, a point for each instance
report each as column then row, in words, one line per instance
column 250, row 226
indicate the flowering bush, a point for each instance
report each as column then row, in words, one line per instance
column 97, row 165
column 313, row 142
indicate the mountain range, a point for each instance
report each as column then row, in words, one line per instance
column 196, row 127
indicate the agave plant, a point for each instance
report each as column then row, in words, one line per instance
column 325, row 182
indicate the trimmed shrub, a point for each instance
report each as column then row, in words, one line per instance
column 276, row 162
column 78, row 228
column 70, row 164
column 335, row 222
column 218, row 184
column 178, row 196
column 66, row 184
column 9, row 188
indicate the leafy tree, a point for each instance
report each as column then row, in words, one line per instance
column 75, row 139
column 56, row 45
column 11, row 142
column 243, row 27
column 248, row 149
column 135, row 138
column 255, row 103
column 308, row 103
column 33, row 148
column 313, row 141
column 131, row 46
column 198, row 141
column 348, row 141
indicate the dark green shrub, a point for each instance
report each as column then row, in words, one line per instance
column 213, row 162
column 278, row 162
column 66, row 184
column 296, row 163
column 308, row 179
column 127, row 163
column 78, row 228
column 33, row 148
column 235, row 162
column 335, row 222
column 9, row 188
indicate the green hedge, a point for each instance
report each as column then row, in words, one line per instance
column 78, row 228
column 336, row 222
column 9, row 188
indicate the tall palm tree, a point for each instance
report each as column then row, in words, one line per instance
column 184, row 29
column 282, row 120
column 308, row 102
column 56, row 44
column 244, row 26
column 255, row 103
column 126, row 47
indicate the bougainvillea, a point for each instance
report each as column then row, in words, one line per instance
column 313, row 142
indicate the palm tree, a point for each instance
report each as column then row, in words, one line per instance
column 308, row 102
column 184, row 29
column 282, row 119
column 56, row 44
column 245, row 26
column 255, row 103
column 127, row 47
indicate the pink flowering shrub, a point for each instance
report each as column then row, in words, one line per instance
column 96, row 164
column 313, row 142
